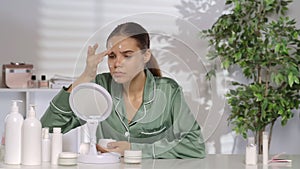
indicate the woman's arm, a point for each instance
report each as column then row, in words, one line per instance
column 90, row 71
column 59, row 113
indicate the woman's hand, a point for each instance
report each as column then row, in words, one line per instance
column 101, row 149
column 92, row 61
column 118, row 147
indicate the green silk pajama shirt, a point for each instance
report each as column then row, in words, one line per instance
column 163, row 126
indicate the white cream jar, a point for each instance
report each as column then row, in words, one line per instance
column 67, row 158
column 133, row 156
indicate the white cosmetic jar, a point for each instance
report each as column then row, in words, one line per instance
column 103, row 142
column 133, row 156
column 67, row 158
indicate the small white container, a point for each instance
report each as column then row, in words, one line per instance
column 46, row 145
column 67, row 158
column 251, row 152
column 251, row 155
column 103, row 142
column 56, row 147
column 133, row 156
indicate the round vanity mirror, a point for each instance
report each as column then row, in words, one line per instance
column 90, row 101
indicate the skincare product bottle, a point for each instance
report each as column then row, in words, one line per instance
column 251, row 152
column 43, row 83
column 46, row 145
column 32, row 83
column 265, row 148
column 32, row 139
column 13, row 135
column 56, row 147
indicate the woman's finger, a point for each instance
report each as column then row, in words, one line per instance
column 101, row 55
column 95, row 46
column 92, row 49
column 101, row 149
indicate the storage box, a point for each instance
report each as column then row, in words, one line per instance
column 16, row 75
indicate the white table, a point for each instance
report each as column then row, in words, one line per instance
column 210, row 162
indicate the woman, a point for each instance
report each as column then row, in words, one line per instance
column 149, row 113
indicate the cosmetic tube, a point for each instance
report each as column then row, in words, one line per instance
column 46, row 145
column 56, row 148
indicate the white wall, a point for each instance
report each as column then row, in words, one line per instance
column 53, row 36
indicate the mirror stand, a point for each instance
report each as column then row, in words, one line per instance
column 93, row 156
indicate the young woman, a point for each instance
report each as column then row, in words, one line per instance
column 149, row 111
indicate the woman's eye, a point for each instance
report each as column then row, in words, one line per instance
column 112, row 56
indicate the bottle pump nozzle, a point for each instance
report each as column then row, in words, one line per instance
column 14, row 107
column 31, row 112
column 45, row 133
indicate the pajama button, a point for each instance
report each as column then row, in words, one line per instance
column 127, row 134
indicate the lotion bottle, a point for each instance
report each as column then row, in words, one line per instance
column 13, row 135
column 46, row 145
column 32, row 139
column 56, row 147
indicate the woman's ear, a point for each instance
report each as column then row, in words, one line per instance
column 147, row 56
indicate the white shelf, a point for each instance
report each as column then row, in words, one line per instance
column 29, row 90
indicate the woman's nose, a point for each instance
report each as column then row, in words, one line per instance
column 119, row 61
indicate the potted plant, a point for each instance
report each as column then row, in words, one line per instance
column 257, row 37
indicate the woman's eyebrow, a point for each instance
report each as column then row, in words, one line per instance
column 127, row 51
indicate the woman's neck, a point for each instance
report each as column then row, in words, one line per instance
column 135, row 87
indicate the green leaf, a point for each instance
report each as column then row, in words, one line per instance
column 265, row 104
column 277, row 47
column 237, row 56
column 210, row 74
column 295, row 35
column 228, row 2
column 225, row 64
column 296, row 80
column 291, row 79
column 259, row 97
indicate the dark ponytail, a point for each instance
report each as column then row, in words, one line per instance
column 153, row 67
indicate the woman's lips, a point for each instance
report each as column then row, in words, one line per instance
column 118, row 74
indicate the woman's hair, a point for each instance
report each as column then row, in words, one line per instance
column 137, row 32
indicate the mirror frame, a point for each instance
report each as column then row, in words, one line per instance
column 95, row 88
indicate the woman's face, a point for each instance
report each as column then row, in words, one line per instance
column 125, row 58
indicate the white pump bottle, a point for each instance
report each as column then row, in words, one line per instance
column 46, row 145
column 31, row 139
column 13, row 135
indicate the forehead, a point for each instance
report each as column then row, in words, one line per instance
column 125, row 42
